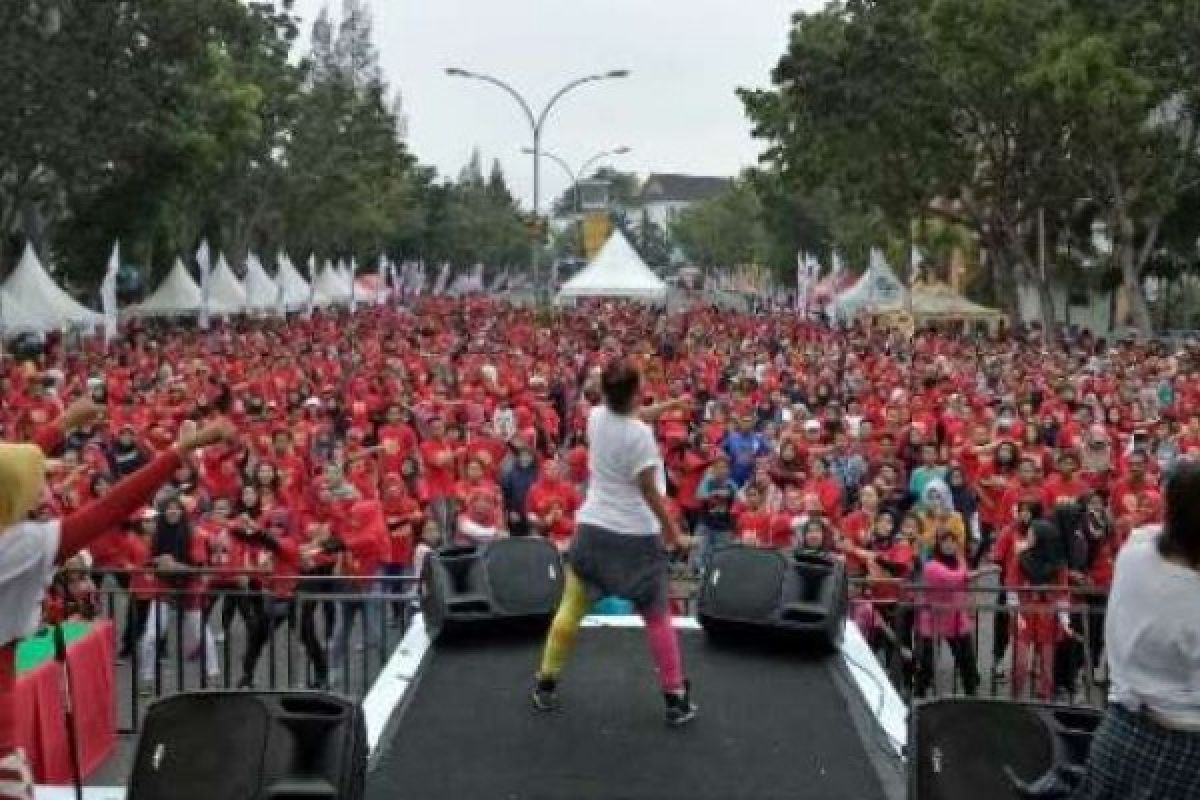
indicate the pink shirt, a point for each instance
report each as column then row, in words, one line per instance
column 948, row 613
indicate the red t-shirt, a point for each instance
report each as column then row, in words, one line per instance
column 440, row 478
column 754, row 527
column 546, row 497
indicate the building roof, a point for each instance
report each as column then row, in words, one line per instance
column 672, row 188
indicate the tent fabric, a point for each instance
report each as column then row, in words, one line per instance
column 937, row 301
column 832, row 285
column 616, row 271
column 295, row 288
column 262, row 293
column 225, row 288
column 330, row 287
column 878, row 287
column 30, row 301
column 178, row 295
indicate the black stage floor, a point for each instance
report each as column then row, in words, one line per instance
column 770, row 726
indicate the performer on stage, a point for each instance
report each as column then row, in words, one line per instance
column 621, row 542
column 1149, row 742
column 30, row 552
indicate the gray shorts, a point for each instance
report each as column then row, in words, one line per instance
column 610, row 564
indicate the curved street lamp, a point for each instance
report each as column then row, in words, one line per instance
column 575, row 176
column 537, row 124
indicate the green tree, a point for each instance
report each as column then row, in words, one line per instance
column 725, row 230
column 1127, row 73
column 924, row 109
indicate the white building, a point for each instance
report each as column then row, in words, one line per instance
column 665, row 195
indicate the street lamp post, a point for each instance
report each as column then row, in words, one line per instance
column 575, row 176
column 537, row 123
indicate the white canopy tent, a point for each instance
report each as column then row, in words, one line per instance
column 330, row 287
column 178, row 295
column 30, row 301
column 295, row 288
column 262, row 293
column 224, row 288
column 877, row 287
column 616, row 271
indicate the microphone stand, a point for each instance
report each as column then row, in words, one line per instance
column 64, row 674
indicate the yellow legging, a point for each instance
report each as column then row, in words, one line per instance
column 571, row 611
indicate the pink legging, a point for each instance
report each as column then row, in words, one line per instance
column 660, row 636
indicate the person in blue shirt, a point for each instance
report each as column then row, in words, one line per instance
column 716, row 493
column 744, row 447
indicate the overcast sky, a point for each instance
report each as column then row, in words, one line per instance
column 677, row 110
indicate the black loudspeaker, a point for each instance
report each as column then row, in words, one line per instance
column 783, row 597
column 251, row 745
column 997, row 749
column 509, row 583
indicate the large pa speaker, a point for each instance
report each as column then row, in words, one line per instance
column 251, row 745
column 770, row 595
column 506, row 584
column 997, row 749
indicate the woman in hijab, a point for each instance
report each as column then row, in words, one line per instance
column 937, row 514
column 30, row 552
column 888, row 559
column 944, row 614
column 175, row 552
column 128, row 455
column 1041, row 616
column 1100, row 530
column 515, row 485
column 965, row 500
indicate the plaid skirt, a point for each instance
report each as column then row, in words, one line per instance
column 1133, row 758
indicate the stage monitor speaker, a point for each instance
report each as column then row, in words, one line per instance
column 506, row 584
column 997, row 749
column 770, row 595
column 251, row 745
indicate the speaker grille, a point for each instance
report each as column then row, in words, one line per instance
column 743, row 583
column 200, row 747
column 963, row 747
column 526, row 576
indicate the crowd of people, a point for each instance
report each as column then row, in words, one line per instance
column 367, row 440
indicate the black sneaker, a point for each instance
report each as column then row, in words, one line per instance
column 545, row 694
column 680, row 708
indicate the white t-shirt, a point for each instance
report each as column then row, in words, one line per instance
column 27, row 552
column 1153, row 633
column 619, row 448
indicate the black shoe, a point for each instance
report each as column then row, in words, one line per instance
column 680, row 708
column 545, row 694
column 246, row 683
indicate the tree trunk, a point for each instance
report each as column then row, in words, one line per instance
column 1025, row 273
column 1127, row 259
column 1046, row 301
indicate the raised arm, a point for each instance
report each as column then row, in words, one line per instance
column 133, row 492
column 79, row 413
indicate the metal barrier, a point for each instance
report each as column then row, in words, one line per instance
column 999, row 653
column 331, row 632
column 339, row 632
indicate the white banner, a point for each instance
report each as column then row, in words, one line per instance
column 204, row 261
column 108, row 293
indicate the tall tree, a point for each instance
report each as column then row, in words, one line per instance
column 1128, row 74
column 725, row 230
